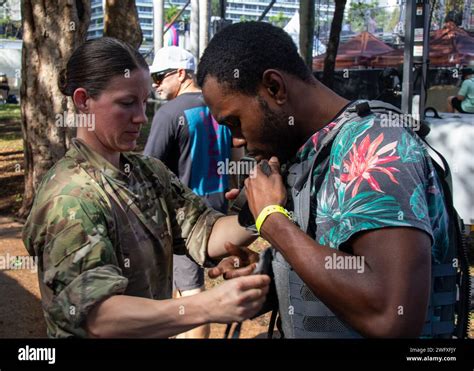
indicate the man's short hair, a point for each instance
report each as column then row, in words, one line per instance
column 466, row 71
column 239, row 54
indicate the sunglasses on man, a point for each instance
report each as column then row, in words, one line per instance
column 158, row 77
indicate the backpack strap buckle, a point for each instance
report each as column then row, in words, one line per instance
column 363, row 109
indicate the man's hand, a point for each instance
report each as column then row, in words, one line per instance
column 262, row 190
column 241, row 262
column 232, row 194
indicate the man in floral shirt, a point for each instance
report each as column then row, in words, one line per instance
column 377, row 177
column 375, row 199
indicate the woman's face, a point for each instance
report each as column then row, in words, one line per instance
column 119, row 111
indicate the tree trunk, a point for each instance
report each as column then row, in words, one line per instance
column 307, row 31
column 121, row 21
column 333, row 44
column 51, row 31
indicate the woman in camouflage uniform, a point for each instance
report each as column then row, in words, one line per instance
column 105, row 222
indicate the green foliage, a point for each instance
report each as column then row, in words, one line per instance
column 10, row 28
column 394, row 18
column 171, row 11
column 382, row 17
column 215, row 8
column 456, row 5
column 278, row 20
column 4, row 21
column 357, row 15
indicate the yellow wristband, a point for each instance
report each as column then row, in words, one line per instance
column 267, row 211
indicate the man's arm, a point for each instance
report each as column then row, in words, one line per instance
column 386, row 298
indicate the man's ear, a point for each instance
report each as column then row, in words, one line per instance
column 274, row 84
column 81, row 100
column 182, row 74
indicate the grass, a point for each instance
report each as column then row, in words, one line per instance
column 9, row 112
column 11, row 159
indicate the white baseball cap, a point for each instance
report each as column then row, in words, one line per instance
column 173, row 57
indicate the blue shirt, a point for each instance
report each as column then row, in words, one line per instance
column 186, row 137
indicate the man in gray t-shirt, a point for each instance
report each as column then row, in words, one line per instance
column 189, row 141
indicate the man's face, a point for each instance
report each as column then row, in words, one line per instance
column 264, row 130
column 169, row 86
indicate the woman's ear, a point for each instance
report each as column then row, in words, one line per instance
column 81, row 100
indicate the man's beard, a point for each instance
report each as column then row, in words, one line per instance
column 278, row 132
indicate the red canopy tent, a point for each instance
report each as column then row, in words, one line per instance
column 391, row 59
column 357, row 51
column 449, row 46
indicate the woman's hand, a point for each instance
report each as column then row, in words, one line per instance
column 238, row 299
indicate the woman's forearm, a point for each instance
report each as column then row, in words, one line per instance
column 227, row 229
column 127, row 316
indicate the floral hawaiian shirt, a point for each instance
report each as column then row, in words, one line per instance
column 376, row 176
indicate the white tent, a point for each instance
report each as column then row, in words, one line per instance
column 10, row 64
column 293, row 28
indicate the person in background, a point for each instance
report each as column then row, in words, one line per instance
column 190, row 142
column 464, row 101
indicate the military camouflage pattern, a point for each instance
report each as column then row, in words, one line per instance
column 99, row 231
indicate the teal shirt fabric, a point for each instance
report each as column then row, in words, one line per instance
column 467, row 91
column 376, row 177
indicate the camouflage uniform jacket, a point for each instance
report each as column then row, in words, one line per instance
column 99, row 231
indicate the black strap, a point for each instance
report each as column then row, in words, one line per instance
column 271, row 325
column 235, row 333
